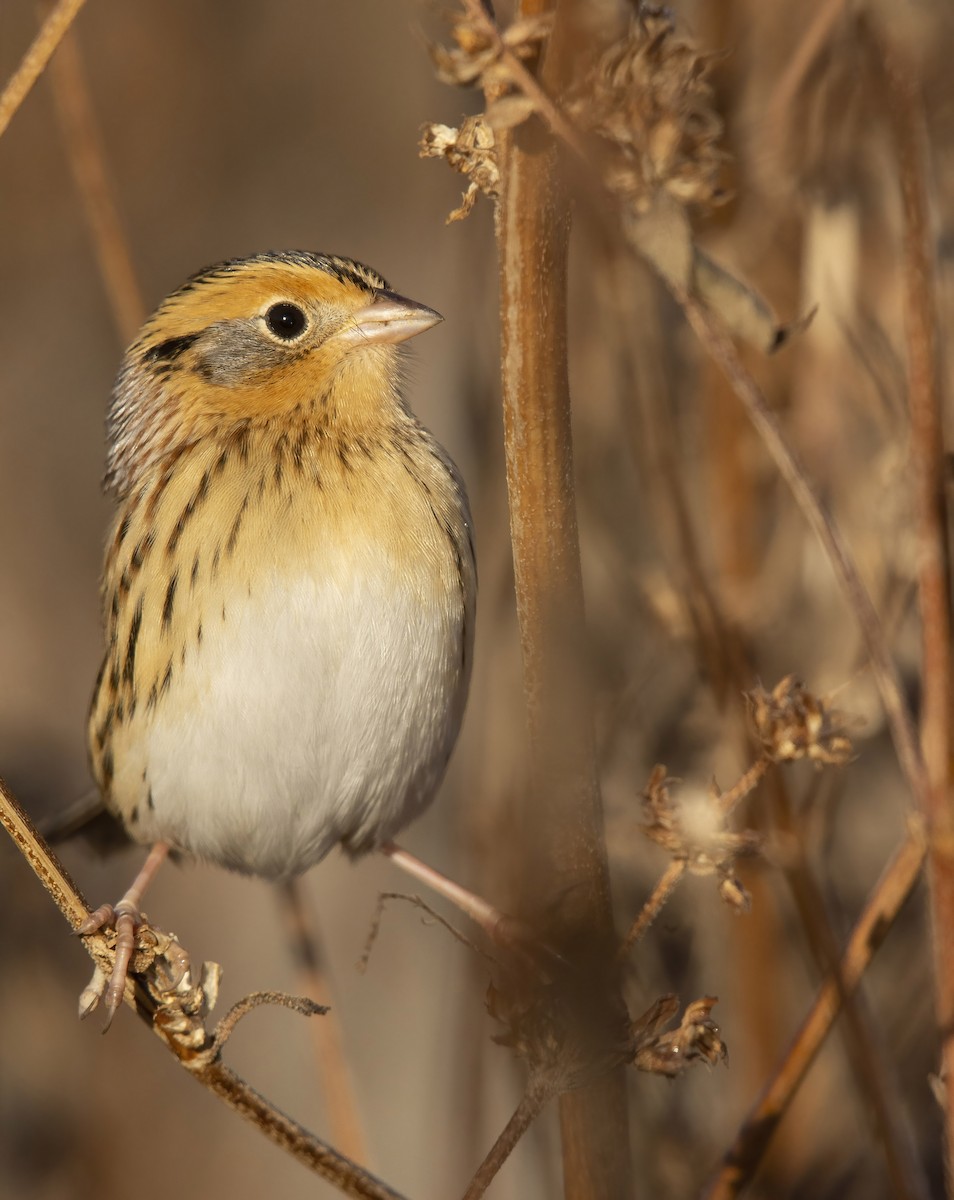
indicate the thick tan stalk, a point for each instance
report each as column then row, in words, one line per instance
column 566, row 877
column 928, row 472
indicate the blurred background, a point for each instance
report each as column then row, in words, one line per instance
column 228, row 131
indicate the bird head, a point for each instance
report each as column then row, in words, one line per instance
column 257, row 339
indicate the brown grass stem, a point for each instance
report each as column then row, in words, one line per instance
column 37, row 56
column 87, row 159
column 883, row 905
column 337, row 1086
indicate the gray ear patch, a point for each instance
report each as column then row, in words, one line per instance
column 235, row 352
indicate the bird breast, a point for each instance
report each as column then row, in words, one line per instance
column 300, row 646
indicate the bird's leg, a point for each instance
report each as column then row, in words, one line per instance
column 500, row 928
column 126, row 919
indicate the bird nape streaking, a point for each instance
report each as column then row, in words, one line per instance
column 289, row 586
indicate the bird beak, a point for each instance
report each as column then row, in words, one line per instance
column 388, row 318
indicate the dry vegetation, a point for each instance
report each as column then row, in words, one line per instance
column 751, row 507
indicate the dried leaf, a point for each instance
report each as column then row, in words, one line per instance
column 742, row 309
column 526, row 33
column 662, row 235
column 508, row 112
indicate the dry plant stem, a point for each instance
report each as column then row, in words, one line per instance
column 311, row 1152
column 88, row 163
column 341, row 1103
column 716, row 341
column 748, row 782
column 927, row 453
column 46, row 866
column 883, row 906
column 562, row 822
column 36, row 58
column 868, row 1056
column 524, row 1115
column 664, row 888
column 319, row 1157
column 816, row 36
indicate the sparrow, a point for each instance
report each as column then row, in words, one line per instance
column 289, row 585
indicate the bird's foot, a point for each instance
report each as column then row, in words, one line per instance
column 132, row 933
column 126, row 920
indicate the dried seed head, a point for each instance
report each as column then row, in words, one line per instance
column 791, row 724
column 693, row 830
column 647, row 101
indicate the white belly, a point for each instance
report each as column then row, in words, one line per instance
column 312, row 712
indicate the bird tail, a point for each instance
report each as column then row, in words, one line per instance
column 88, row 818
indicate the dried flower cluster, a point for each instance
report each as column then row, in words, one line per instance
column 484, row 54
column 648, row 103
column 791, row 724
column 471, row 150
column 480, row 50
column 695, row 1039
column 694, row 831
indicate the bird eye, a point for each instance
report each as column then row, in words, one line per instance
column 285, row 320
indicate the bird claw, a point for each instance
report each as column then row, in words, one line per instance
column 91, row 995
column 127, row 922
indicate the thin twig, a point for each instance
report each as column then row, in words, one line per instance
column 814, row 39
column 37, row 56
column 868, row 1056
column 203, row 1066
column 526, row 1112
column 300, row 1143
column 664, row 888
column 884, row 904
column 299, row 1004
column 416, row 902
column 749, row 780
column 46, row 866
column 716, row 341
